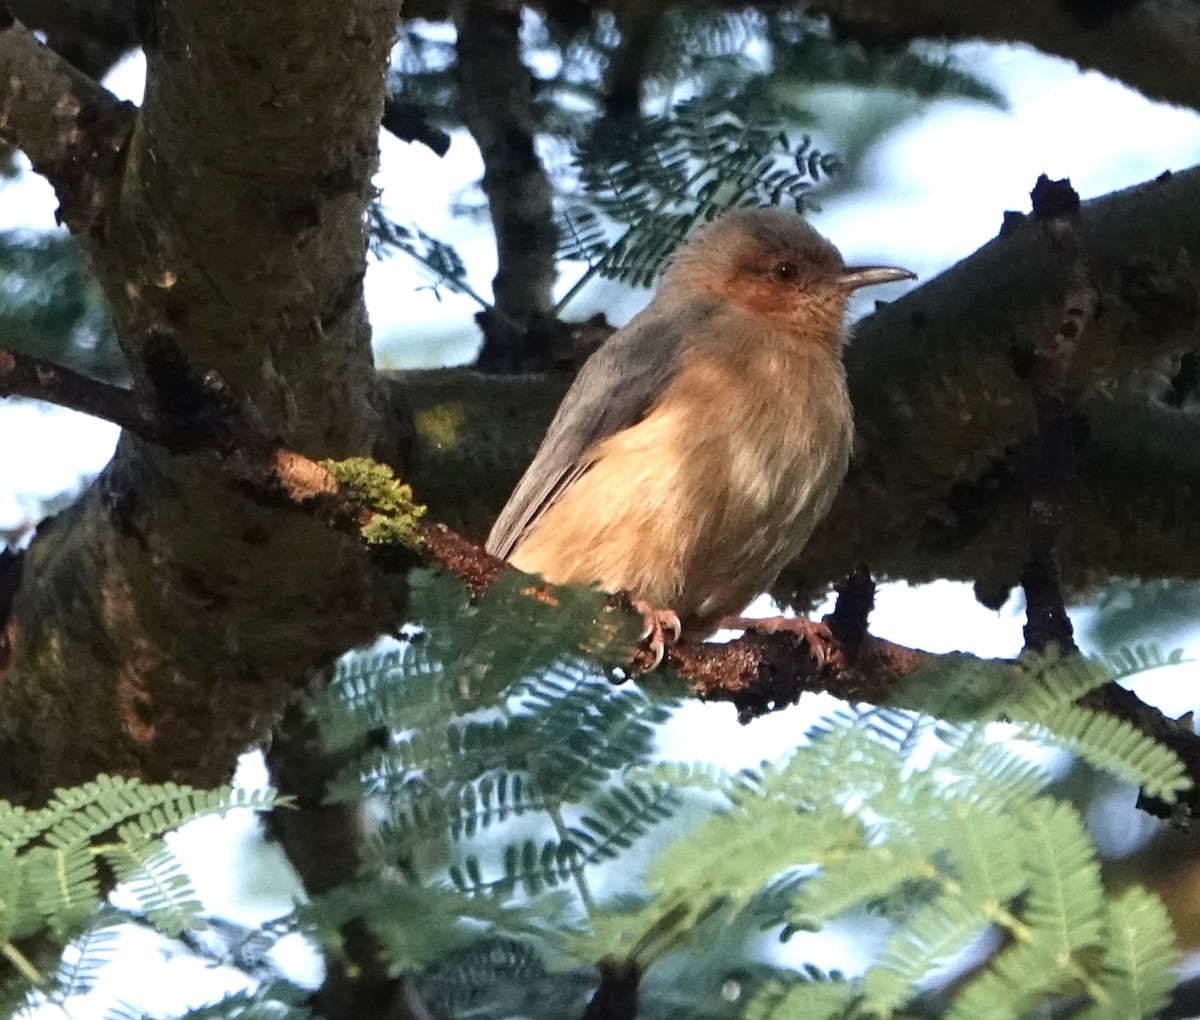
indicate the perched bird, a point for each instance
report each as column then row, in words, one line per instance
column 700, row 444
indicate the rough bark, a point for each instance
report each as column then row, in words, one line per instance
column 164, row 620
column 73, row 131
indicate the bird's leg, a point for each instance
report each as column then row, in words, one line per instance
column 662, row 627
column 816, row 634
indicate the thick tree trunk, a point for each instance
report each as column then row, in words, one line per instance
column 165, row 618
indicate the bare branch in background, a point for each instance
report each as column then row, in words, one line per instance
column 91, row 35
column 1052, row 457
column 1149, row 45
column 323, row 841
column 627, row 72
column 497, row 98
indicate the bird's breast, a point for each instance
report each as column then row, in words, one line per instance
column 771, row 463
column 701, row 504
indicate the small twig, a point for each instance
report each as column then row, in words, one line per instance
column 23, row 964
column 22, row 375
column 461, row 286
column 407, row 121
column 1056, row 205
column 601, row 263
column 852, row 611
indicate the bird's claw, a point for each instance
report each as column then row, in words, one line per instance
column 661, row 628
column 816, row 635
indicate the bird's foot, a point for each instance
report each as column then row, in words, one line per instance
column 816, row 635
column 661, row 628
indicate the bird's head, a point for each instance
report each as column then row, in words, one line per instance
column 771, row 264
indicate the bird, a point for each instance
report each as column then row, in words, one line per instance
column 700, row 445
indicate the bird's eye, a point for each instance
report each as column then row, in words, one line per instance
column 786, row 271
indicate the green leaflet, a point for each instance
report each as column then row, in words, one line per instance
column 516, row 807
column 50, row 884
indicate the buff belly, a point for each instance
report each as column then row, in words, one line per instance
column 689, row 509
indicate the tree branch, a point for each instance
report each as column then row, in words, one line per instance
column 22, row 375
column 942, row 414
column 323, row 841
column 1051, row 461
column 91, row 35
column 1150, row 45
column 758, row 673
column 497, row 97
column 408, row 122
column 616, row 996
column 1147, row 44
column 72, row 130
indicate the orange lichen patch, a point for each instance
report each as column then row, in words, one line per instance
column 301, row 478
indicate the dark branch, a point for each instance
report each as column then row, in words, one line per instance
column 407, row 121
column 323, row 841
column 1052, row 460
column 761, row 672
column 852, row 612
column 1148, row 45
column 758, row 673
column 630, row 63
column 22, row 375
column 92, row 34
column 616, row 997
column 72, row 129
column 497, row 98
column 11, row 567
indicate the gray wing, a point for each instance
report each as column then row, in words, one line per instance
column 615, row 388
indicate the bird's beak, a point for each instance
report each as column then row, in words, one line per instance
column 853, row 277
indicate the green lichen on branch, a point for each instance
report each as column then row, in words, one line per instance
column 394, row 512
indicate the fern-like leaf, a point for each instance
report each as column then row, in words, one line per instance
column 1139, row 952
column 1117, row 747
column 619, row 817
column 158, row 883
column 813, row 1000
